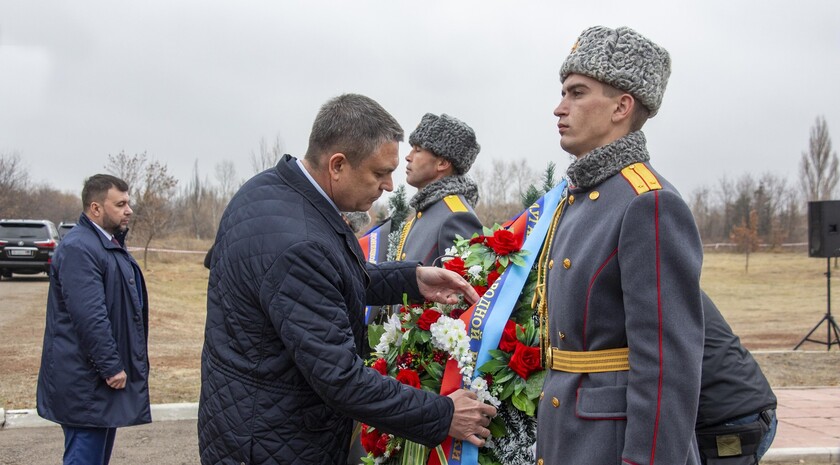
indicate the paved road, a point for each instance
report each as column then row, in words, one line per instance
column 160, row 443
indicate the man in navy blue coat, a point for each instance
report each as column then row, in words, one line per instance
column 94, row 374
column 281, row 376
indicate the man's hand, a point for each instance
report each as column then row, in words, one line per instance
column 117, row 381
column 471, row 417
column 443, row 286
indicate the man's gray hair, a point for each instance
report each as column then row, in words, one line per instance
column 354, row 125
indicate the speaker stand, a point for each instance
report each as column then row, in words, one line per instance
column 828, row 319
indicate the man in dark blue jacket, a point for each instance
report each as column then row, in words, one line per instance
column 281, row 377
column 94, row 367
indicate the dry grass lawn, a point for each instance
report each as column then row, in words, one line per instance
column 771, row 307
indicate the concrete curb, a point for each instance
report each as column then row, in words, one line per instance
column 809, row 455
column 29, row 418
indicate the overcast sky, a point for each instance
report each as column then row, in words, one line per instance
column 207, row 80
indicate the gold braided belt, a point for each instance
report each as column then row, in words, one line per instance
column 593, row 361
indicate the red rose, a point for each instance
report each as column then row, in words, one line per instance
column 509, row 341
column 382, row 443
column 456, row 313
column 480, row 290
column 492, row 277
column 410, row 377
column 381, row 366
column 455, row 264
column 503, row 242
column 477, row 240
column 427, row 318
column 373, row 442
column 525, row 360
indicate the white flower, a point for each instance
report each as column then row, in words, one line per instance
column 450, row 335
column 475, row 271
column 451, row 251
column 391, row 336
column 479, row 387
column 478, row 384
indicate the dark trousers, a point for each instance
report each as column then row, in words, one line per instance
column 88, row 446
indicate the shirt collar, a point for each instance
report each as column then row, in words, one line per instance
column 317, row 186
column 108, row 235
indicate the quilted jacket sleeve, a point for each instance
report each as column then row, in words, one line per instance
column 308, row 309
column 389, row 280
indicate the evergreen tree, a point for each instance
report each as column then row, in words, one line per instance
column 399, row 210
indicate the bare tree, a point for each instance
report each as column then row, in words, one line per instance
column 705, row 215
column 49, row 203
column 153, row 209
column 267, row 156
column 818, row 167
column 502, row 189
column 151, row 189
column 128, row 168
column 226, row 177
column 745, row 236
column 14, row 181
column 199, row 202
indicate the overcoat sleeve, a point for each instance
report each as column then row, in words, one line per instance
column 82, row 275
column 660, row 256
column 463, row 224
column 307, row 308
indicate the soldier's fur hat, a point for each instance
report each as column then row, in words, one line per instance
column 624, row 59
column 447, row 137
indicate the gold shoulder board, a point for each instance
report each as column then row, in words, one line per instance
column 641, row 178
column 455, row 204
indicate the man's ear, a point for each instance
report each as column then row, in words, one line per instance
column 337, row 163
column 624, row 108
column 95, row 209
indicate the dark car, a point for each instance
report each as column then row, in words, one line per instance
column 64, row 228
column 26, row 246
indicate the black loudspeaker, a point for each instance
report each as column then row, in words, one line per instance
column 824, row 228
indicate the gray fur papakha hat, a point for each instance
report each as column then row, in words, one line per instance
column 447, row 137
column 624, row 59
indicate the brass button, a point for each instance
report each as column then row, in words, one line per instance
column 632, row 167
column 542, row 394
column 403, row 256
column 594, row 195
column 567, row 263
column 571, row 199
column 540, row 462
column 562, row 336
column 419, row 214
column 555, row 402
column 550, row 264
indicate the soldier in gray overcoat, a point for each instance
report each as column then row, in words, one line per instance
column 443, row 149
column 621, row 302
